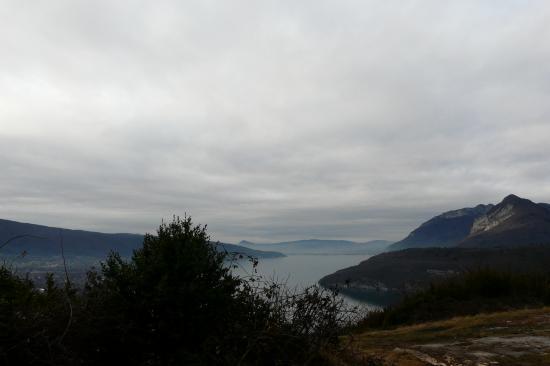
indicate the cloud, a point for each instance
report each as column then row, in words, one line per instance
column 271, row 120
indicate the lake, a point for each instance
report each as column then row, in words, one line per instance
column 302, row 270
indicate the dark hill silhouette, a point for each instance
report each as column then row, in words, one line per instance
column 545, row 205
column 45, row 240
column 232, row 248
column 39, row 240
column 411, row 269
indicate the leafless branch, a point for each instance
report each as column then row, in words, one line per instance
column 16, row 237
column 67, row 287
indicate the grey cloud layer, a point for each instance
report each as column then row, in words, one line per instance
column 271, row 120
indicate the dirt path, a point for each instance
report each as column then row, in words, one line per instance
column 513, row 338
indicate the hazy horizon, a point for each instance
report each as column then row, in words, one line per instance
column 273, row 120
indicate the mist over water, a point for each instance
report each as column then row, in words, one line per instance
column 302, row 270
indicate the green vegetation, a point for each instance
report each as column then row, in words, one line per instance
column 480, row 291
column 174, row 302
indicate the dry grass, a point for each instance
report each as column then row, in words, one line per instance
column 520, row 337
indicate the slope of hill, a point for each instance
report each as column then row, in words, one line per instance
column 239, row 249
column 444, row 230
column 412, row 269
column 545, row 205
column 45, row 240
column 316, row 246
column 39, row 240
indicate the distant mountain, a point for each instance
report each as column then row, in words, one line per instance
column 239, row 249
column 316, row 246
column 39, row 240
column 445, row 230
column 513, row 222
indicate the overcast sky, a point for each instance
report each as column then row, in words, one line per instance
column 271, row 120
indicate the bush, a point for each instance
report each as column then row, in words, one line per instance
column 471, row 293
column 33, row 322
column 169, row 303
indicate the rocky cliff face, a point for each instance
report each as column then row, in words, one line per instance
column 487, row 222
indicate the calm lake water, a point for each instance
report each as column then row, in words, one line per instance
column 302, row 270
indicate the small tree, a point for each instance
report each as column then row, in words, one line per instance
column 177, row 302
column 169, row 303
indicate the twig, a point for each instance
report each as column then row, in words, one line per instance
column 67, row 287
column 63, row 257
column 20, row 237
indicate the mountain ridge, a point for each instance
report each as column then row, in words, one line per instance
column 513, row 221
column 38, row 239
column 322, row 246
column 41, row 240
